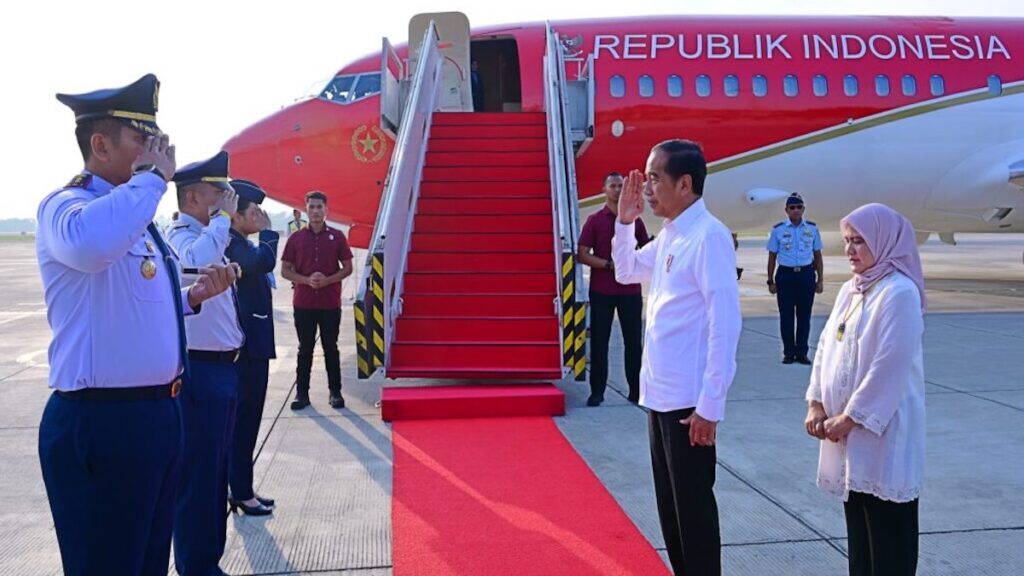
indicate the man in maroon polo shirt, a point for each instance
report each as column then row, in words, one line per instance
column 316, row 259
column 607, row 295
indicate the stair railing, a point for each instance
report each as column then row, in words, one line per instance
column 571, row 301
column 378, row 303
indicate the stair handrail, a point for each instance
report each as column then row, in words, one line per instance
column 384, row 270
column 571, row 191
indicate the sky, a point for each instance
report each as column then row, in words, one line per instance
column 225, row 64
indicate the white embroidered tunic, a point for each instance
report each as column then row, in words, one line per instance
column 875, row 374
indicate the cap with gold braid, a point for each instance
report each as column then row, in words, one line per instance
column 212, row 171
column 134, row 104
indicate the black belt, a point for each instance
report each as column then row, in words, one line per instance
column 161, row 392
column 794, row 268
column 225, row 357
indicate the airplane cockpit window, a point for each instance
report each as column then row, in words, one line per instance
column 703, row 86
column 617, row 86
column 995, row 85
column 909, row 85
column 675, row 86
column 760, row 85
column 368, row 85
column 938, row 84
column 850, row 86
column 646, row 86
column 790, row 86
column 820, row 85
column 732, row 85
column 882, row 85
column 338, row 89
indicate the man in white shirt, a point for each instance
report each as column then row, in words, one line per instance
column 689, row 359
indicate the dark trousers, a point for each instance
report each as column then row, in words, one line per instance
column 684, row 481
column 306, row 323
column 252, row 393
column 795, row 295
column 111, row 470
column 882, row 536
column 200, row 524
column 602, row 311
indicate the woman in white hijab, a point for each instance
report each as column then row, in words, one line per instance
column 866, row 395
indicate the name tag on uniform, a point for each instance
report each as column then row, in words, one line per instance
column 668, row 263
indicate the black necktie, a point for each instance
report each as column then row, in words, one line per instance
column 172, row 270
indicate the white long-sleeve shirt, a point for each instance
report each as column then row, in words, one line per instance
column 875, row 374
column 693, row 310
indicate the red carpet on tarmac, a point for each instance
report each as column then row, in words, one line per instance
column 486, row 496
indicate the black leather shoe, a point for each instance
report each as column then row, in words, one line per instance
column 804, row 360
column 268, row 502
column 594, row 401
column 300, row 402
column 337, row 401
column 788, row 360
column 258, row 510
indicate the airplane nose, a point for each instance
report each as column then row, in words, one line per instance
column 255, row 153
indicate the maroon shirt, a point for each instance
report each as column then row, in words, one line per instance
column 597, row 233
column 310, row 252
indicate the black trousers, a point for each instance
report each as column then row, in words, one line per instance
column 882, row 536
column 307, row 321
column 795, row 295
column 253, row 374
column 684, row 481
column 602, row 311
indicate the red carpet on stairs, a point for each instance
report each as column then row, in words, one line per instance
column 499, row 496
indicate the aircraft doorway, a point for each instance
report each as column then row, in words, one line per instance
column 496, row 86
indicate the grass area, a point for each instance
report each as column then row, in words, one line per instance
column 11, row 238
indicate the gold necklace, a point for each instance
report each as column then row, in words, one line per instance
column 850, row 310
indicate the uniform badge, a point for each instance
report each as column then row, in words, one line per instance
column 149, row 245
column 148, row 269
column 668, row 263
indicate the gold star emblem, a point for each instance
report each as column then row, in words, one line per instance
column 369, row 143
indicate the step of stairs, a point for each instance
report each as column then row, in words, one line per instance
column 470, row 401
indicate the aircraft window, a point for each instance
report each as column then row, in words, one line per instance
column 882, row 85
column 909, row 85
column 703, row 85
column 790, row 85
column 675, row 86
column 646, row 86
column 820, row 85
column 339, row 89
column 760, row 85
column 617, row 85
column 368, row 85
column 732, row 86
column 938, row 85
column 850, row 86
column 995, row 85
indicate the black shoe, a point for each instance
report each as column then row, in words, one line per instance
column 788, row 360
column 268, row 502
column 804, row 360
column 300, row 402
column 594, row 401
column 336, row 400
column 258, row 510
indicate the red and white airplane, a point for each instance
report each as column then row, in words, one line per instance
column 923, row 114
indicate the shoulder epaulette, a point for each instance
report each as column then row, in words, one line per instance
column 79, row 181
column 179, row 226
column 779, row 224
column 811, row 223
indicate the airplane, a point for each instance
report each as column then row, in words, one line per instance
column 923, row 114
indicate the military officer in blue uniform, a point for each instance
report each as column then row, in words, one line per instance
column 110, row 436
column 256, row 312
column 795, row 244
column 206, row 202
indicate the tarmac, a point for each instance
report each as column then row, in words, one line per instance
column 331, row 470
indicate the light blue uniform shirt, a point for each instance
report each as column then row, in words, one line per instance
column 795, row 245
column 216, row 326
column 112, row 327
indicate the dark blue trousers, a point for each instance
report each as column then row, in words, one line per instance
column 795, row 295
column 208, row 413
column 252, row 392
column 111, row 470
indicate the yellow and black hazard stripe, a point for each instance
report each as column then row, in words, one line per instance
column 377, row 304
column 568, row 310
column 362, row 342
column 580, row 348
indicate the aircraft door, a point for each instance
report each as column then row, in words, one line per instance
column 453, row 43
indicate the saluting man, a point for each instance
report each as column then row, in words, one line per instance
column 256, row 313
column 110, row 437
column 207, row 203
column 795, row 244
